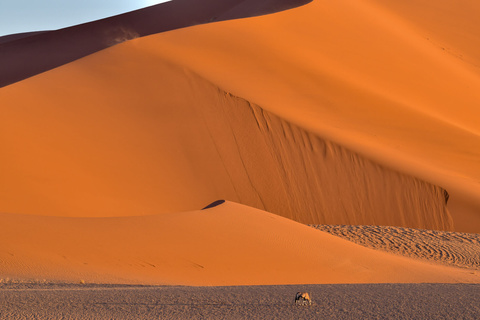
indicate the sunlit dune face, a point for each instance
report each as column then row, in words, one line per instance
column 330, row 110
column 229, row 244
column 337, row 112
column 370, row 80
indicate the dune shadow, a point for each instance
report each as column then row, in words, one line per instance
column 214, row 204
column 27, row 55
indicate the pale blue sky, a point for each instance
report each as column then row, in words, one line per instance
column 33, row 15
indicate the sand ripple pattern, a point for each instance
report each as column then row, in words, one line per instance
column 448, row 248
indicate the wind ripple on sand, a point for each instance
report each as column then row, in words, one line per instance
column 448, row 248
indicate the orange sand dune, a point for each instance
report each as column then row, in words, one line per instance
column 362, row 76
column 334, row 112
column 229, row 244
column 141, row 136
column 450, row 25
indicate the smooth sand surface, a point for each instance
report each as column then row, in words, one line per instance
column 230, row 244
column 128, row 133
column 358, row 120
column 334, row 112
column 361, row 75
column 364, row 301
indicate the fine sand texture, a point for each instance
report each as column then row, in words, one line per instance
column 361, row 75
column 327, row 113
column 129, row 134
column 114, row 134
column 365, row 301
column 448, row 248
column 229, row 244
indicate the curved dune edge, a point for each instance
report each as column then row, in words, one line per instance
column 359, row 75
column 132, row 130
column 230, row 244
column 23, row 57
column 124, row 133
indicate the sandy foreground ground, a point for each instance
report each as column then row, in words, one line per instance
column 229, row 244
column 352, row 301
column 333, row 113
column 45, row 299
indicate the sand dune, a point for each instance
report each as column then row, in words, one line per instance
column 44, row 51
column 334, row 112
column 360, row 76
column 229, row 244
column 451, row 26
column 210, row 118
column 448, row 248
column 17, row 36
column 150, row 137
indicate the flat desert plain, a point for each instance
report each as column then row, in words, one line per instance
column 337, row 143
column 337, row 301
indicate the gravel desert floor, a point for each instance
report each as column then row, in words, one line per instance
column 42, row 299
column 340, row 301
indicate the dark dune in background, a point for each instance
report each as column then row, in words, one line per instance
column 24, row 57
column 17, row 36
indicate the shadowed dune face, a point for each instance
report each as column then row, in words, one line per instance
column 143, row 137
column 17, row 36
column 32, row 55
column 214, row 204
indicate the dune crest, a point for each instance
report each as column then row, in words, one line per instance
column 360, row 76
column 194, row 141
column 336, row 112
column 23, row 57
column 230, row 244
column 214, row 204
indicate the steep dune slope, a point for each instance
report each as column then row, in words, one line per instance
column 247, row 110
column 230, row 244
column 335, row 112
column 127, row 134
column 40, row 52
column 358, row 75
